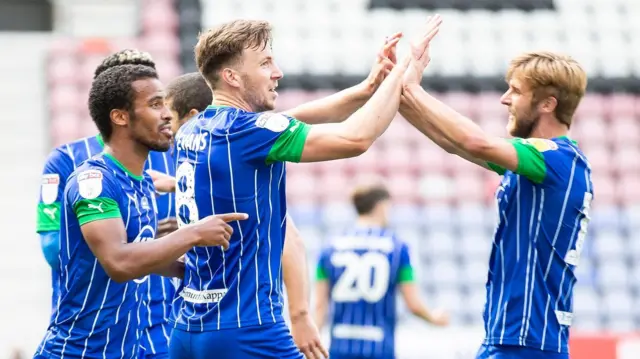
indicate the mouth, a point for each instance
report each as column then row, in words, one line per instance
column 166, row 130
column 273, row 90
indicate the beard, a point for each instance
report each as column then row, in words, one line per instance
column 252, row 96
column 157, row 145
column 525, row 124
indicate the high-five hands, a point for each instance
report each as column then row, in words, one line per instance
column 420, row 51
column 385, row 61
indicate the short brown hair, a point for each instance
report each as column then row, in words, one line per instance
column 551, row 74
column 188, row 92
column 224, row 43
column 365, row 197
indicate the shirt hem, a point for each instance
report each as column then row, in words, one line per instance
column 529, row 344
column 211, row 327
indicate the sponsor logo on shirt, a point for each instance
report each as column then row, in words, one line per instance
column 49, row 189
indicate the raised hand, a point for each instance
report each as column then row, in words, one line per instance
column 215, row 230
column 420, row 51
column 385, row 61
column 162, row 182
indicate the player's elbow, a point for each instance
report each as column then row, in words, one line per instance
column 118, row 271
column 358, row 146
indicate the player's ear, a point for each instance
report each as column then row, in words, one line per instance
column 231, row 77
column 119, row 117
column 548, row 105
column 192, row 113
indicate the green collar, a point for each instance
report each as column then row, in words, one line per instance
column 122, row 167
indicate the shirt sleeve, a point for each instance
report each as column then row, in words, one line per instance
column 93, row 194
column 539, row 160
column 405, row 269
column 275, row 138
column 57, row 169
column 322, row 272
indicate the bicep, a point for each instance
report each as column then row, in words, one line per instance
column 329, row 141
column 104, row 237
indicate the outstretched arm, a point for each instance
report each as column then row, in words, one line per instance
column 339, row 106
column 294, row 263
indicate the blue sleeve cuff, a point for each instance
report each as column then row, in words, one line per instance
column 50, row 243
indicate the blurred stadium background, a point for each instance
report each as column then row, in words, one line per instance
column 444, row 207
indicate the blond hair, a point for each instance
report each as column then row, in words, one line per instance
column 548, row 74
column 225, row 43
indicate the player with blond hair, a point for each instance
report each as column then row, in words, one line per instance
column 543, row 199
column 233, row 156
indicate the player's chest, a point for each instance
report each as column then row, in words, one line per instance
column 139, row 212
column 507, row 190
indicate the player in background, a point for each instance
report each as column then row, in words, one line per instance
column 358, row 275
column 543, row 199
column 66, row 158
column 109, row 222
column 232, row 157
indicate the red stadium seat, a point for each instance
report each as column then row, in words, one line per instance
column 64, row 128
column 395, row 134
column 333, row 187
column 626, row 159
column 495, row 125
column 397, row 158
column 628, row 190
column 302, row 187
column 62, row 70
column 367, row 162
column 488, row 104
column 459, row 101
column 599, row 156
column 604, row 189
column 468, row 187
column 404, row 188
column 161, row 44
column 590, row 129
column 625, row 132
column 86, row 127
column 430, row 159
column 592, row 105
column 436, row 188
column 491, row 183
column 64, row 99
column 620, row 105
column 61, row 47
column 159, row 17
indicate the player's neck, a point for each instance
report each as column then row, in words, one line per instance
column 224, row 99
column 551, row 128
column 130, row 156
column 369, row 221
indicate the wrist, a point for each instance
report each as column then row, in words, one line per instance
column 364, row 90
column 297, row 315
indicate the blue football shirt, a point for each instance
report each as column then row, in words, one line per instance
column 97, row 317
column 543, row 210
column 364, row 267
column 230, row 160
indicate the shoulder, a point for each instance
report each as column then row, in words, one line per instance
column 91, row 178
column 59, row 156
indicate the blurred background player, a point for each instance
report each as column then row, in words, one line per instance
column 358, row 275
column 110, row 221
column 543, row 200
column 157, row 292
column 231, row 302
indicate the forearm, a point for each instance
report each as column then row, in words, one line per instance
column 460, row 131
column 334, row 108
column 135, row 260
column 372, row 119
column 295, row 271
column 320, row 313
column 422, row 124
column 175, row 269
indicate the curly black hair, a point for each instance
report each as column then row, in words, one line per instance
column 112, row 89
column 125, row 57
column 189, row 91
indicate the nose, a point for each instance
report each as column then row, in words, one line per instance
column 506, row 99
column 277, row 73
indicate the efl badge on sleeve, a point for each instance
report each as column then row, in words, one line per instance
column 90, row 184
column 49, row 190
column 542, row 145
column 274, row 122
